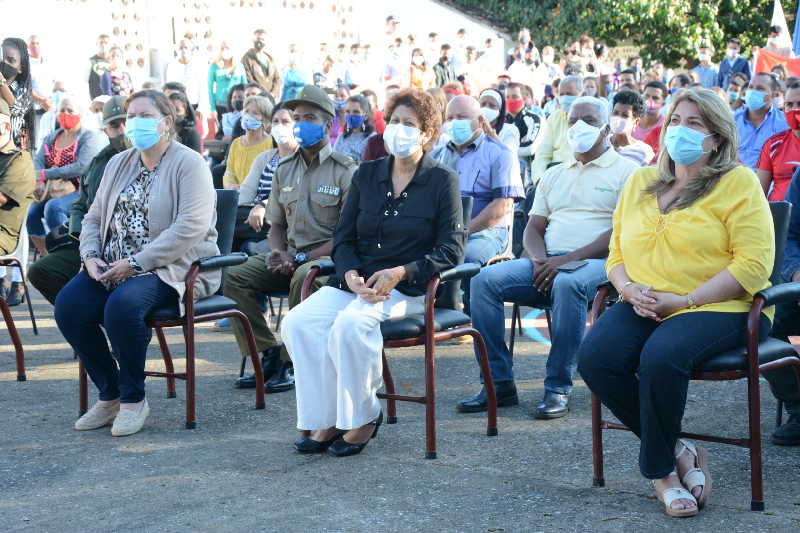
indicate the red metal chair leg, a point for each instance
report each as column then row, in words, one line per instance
column 756, row 473
column 12, row 331
column 254, row 358
column 83, row 389
column 430, row 398
column 15, row 263
column 597, row 443
column 167, row 356
column 188, row 335
column 488, row 382
column 388, row 381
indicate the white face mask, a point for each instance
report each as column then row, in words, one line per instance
column 581, row 137
column 401, row 141
column 282, row 134
column 418, row 60
column 704, row 57
column 490, row 114
column 618, row 125
column 731, row 53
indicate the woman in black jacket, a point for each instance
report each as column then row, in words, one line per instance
column 186, row 123
column 400, row 225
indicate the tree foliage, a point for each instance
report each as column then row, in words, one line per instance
column 666, row 30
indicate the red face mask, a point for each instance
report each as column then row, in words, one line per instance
column 515, row 105
column 793, row 119
column 68, row 120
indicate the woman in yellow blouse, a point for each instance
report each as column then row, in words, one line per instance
column 692, row 243
column 244, row 150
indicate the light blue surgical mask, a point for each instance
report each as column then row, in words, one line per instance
column 460, row 131
column 142, row 132
column 684, row 145
column 250, row 123
column 565, row 102
column 308, row 134
column 754, row 99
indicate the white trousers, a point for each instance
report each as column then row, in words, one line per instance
column 335, row 342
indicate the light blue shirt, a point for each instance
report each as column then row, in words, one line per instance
column 707, row 75
column 752, row 138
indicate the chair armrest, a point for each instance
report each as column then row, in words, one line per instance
column 221, row 261
column 326, row 268
column 462, row 271
column 781, row 294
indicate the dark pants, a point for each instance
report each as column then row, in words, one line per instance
column 640, row 369
column 783, row 381
column 84, row 305
column 217, row 173
column 52, row 272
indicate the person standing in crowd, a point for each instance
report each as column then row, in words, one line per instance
column 774, row 42
column 260, row 67
column 98, row 65
column 244, row 149
column 758, row 120
column 116, row 81
column 224, row 73
column 294, row 79
column 308, row 189
column 187, row 70
column 152, row 217
column 705, row 69
column 529, row 125
column 17, row 180
column 185, row 122
column 52, row 272
column 692, row 243
column 736, row 89
column 41, row 81
column 780, row 154
column 334, row 336
column 555, row 147
column 60, row 162
column 627, row 110
column 655, row 94
column 443, row 71
column 570, row 224
column 484, row 167
column 420, row 75
column 732, row 64
column 357, row 130
column 16, row 89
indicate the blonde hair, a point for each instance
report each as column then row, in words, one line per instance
column 262, row 104
column 718, row 118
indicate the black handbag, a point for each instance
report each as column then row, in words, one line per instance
column 60, row 238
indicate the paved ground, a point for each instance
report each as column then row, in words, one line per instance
column 237, row 471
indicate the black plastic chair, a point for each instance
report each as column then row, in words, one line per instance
column 206, row 309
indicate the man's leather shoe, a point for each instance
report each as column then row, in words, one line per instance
column 789, row 433
column 270, row 365
column 553, row 405
column 505, row 392
column 282, row 381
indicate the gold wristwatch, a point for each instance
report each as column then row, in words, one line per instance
column 690, row 301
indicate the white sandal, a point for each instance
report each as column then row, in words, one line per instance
column 668, row 496
column 699, row 476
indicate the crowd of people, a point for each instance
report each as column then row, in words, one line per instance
column 581, row 170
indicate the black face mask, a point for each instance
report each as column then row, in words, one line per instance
column 258, row 45
column 119, row 143
column 7, row 70
column 238, row 105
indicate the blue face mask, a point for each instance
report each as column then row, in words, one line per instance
column 354, row 121
column 250, row 123
column 338, row 105
column 308, row 134
column 460, row 131
column 754, row 99
column 684, row 145
column 733, row 96
column 565, row 102
column 142, row 132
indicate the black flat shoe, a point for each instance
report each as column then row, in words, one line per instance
column 282, row 381
column 553, row 405
column 309, row 445
column 789, row 433
column 505, row 392
column 16, row 294
column 342, row 448
column 270, row 365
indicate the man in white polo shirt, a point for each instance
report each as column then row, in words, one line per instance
column 566, row 241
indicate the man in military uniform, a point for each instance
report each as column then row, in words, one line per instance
column 260, row 67
column 308, row 192
column 17, row 181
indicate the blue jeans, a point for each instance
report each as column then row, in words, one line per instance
column 481, row 247
column 54, row 211
column 84, row 305
column 512, row 281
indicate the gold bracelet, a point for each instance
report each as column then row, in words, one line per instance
column 690, row 301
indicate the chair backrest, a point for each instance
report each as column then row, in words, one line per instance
column 448, row 295
column 781, row 212
column 227, row 203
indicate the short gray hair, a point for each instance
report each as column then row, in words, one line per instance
column 601, row 107
column 577, row 80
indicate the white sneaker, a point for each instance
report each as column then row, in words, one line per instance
column 130, row 421
column 97, row 417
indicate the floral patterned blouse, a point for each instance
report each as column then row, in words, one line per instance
column 22, row 103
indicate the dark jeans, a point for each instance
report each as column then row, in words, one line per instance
column 52, row 272
column 783, row 381
column 640, row 369
column 84, row 305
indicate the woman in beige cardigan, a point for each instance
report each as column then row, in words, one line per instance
column 153, row 215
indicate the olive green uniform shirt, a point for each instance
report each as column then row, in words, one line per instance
column 17, row 183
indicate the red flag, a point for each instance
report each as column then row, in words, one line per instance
column 766, row 61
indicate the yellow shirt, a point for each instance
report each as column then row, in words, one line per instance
column 729, row 228
column 240, row 159
column 554, row 147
